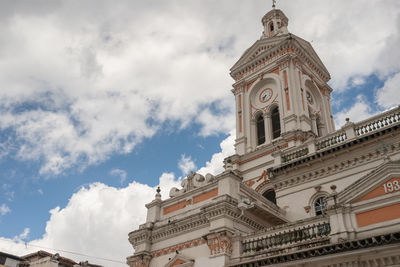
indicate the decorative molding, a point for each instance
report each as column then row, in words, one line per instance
column 181, row 246
column 227, row 206
column 263, row 154
column 294, row 46
column 188, row 224
column 362, row 158
column 220, row 243
column 140, row 260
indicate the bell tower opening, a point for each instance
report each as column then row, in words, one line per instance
column 276, row 123
column 260, row 130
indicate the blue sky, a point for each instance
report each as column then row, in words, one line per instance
column 100, row 106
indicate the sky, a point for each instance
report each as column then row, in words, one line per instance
column 103, row 101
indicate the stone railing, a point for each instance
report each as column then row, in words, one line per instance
column 294, row 155
column 290, row 235
column 348, row 132
column 331, row 140
column 378, row 122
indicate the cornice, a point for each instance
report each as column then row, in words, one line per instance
column 139, row 236
column 354, row 190
column 179, row 227
column 286, row 180
column 226, row 206
column 294, row 165
column 286, row 44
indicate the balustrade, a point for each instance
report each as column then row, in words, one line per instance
column 294, row 155
column 375, row 123
column 330, row 140
column 287, row 236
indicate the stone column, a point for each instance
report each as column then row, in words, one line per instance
column 268, row 127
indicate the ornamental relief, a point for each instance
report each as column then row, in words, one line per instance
column 219, row 244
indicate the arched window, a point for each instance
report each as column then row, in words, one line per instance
column 260, row 130
column 276, row 123
column 270, row 195
column 271, row 27
column 320, row 206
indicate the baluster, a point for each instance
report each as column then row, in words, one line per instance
column 314, row 234
column 268, row 242
column 306, row 233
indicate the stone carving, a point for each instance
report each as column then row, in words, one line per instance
column 220, row 244
column 139, row 261
column 192, row 181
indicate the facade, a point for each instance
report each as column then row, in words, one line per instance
column 298, row 192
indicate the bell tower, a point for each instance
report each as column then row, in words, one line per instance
column 281, row 90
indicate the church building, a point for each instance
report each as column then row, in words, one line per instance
column 297, row 192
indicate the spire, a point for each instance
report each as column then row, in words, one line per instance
column 275, row 22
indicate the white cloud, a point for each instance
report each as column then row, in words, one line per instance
column 349, row 42
column 186, row 164
column 360, row 110
column 120, row 173
column 96, row 221
column 215, row 165
column 98, row 218
column 22, row 236
column 214, row 123
column 4, row 209
column 388, row 96
column 83, row 87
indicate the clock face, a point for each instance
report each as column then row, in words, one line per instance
column 265, row 95
column 309, row 98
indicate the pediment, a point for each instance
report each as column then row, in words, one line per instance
column 385, row 180
column 180, row 261
column 257, row 49
column 265, row 46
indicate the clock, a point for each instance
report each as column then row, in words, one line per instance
column 309, row 98
column 265, row 95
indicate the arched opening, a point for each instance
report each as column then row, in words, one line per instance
column 276, row 123
column 271, row 27
column 260, row 130
column 270, row 195
column 320, row 206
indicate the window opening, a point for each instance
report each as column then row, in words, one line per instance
column 271, row 27
column 276, row 123
column 260, row 130
column 271, row 196
column 320, row 206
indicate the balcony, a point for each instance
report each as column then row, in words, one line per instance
column 347, row 134
column 293, row 236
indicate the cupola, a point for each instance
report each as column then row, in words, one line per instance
column 275, row 23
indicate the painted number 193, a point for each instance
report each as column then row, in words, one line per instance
column 390, row 187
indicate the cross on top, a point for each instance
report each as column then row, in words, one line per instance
column 273, row 3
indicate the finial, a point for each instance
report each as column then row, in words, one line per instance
column 158, row 195
column 273, row 4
